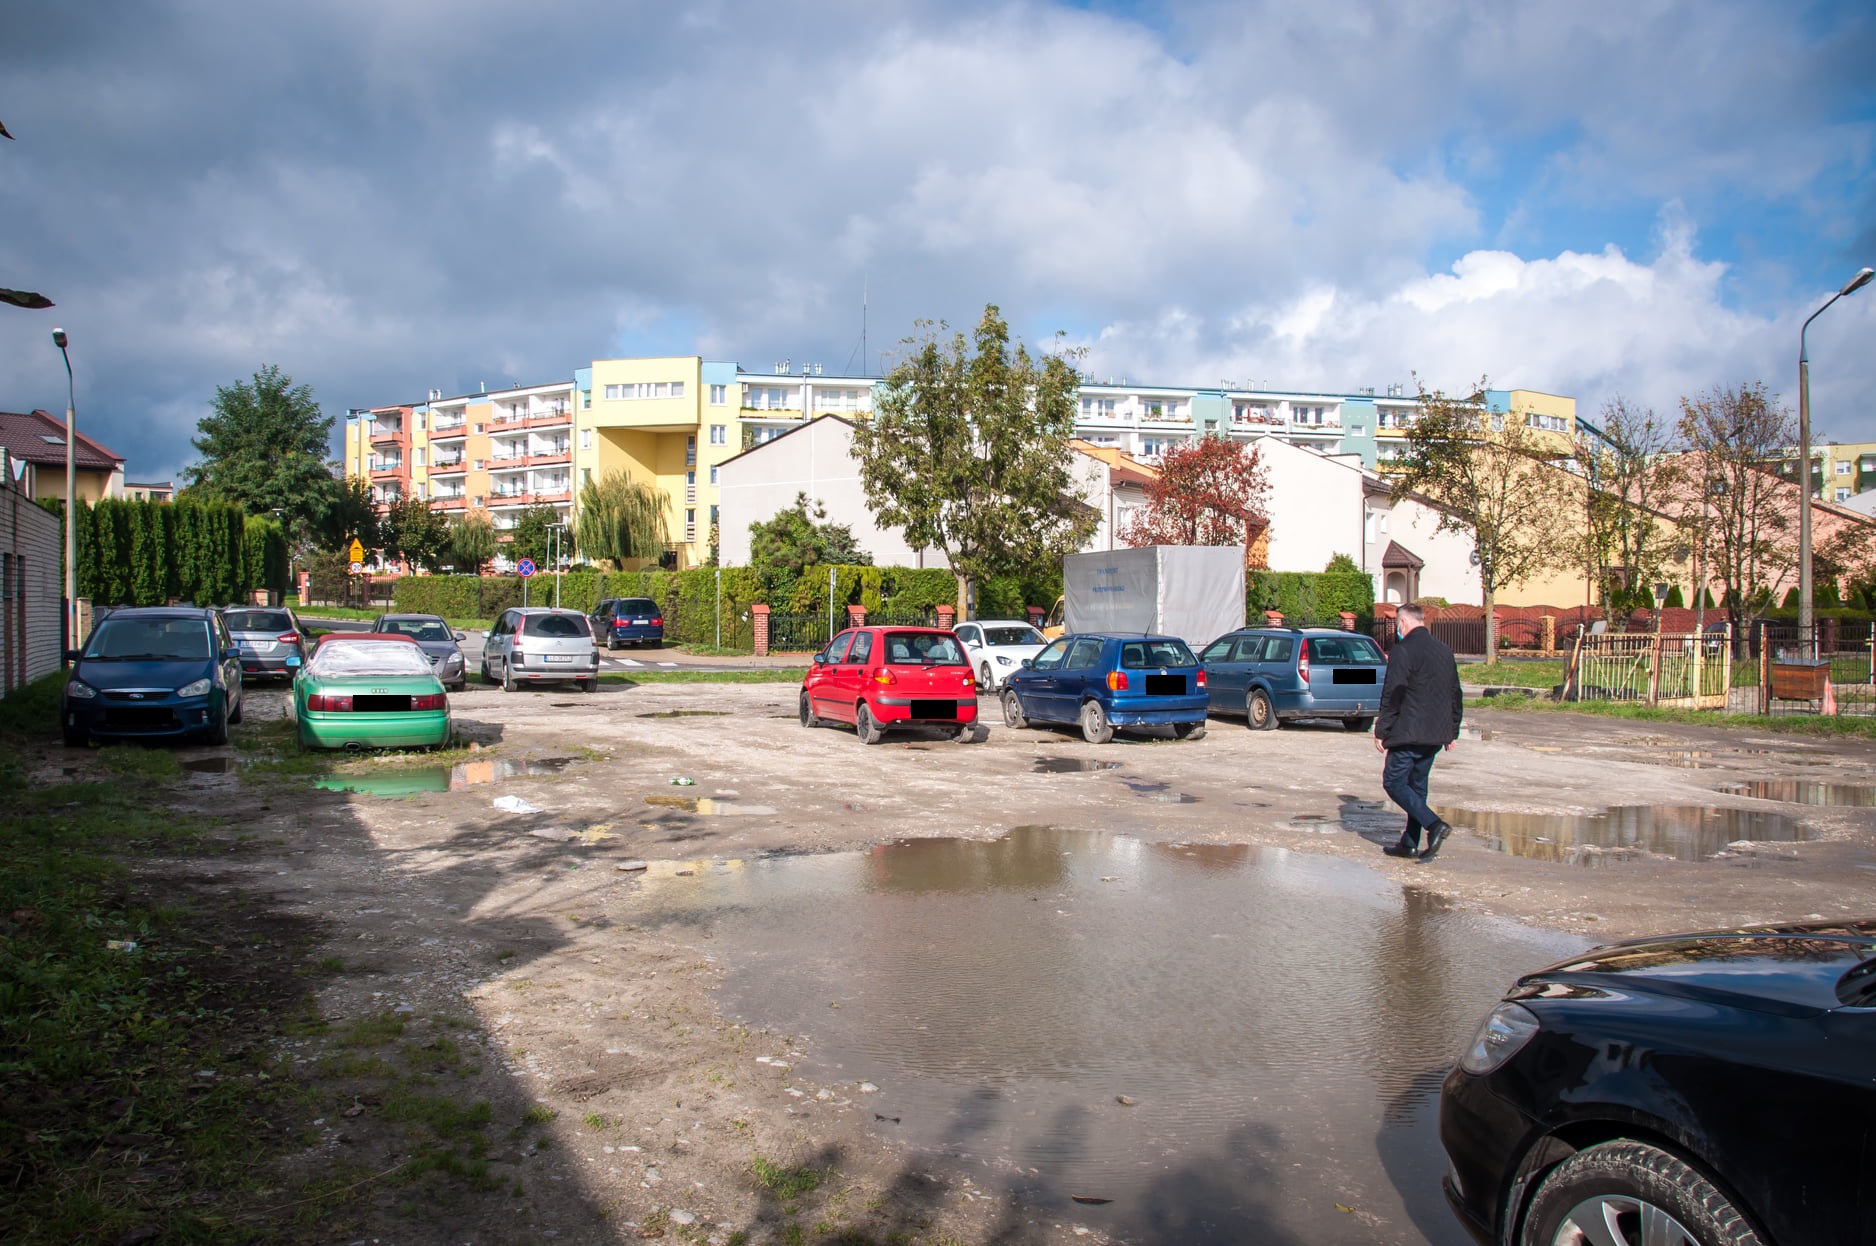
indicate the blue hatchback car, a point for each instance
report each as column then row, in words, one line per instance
column 153, row 673
column 1106, row 681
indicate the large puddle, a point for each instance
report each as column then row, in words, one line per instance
column 1806, row 792
column 396, row 781
column 1232, row 1043
column 1687, row 833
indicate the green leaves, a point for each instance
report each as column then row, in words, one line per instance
column 263, row 447
column 622, row 518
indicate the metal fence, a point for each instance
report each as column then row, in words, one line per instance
column 1464, row 636
column 1829, row 670
column 798, row 633
column 1678, row 670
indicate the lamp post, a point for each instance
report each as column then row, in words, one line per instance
column 554, row 550
column 71, row 495
column 1807, row 631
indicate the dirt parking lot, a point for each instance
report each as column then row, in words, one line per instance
column 504, row 957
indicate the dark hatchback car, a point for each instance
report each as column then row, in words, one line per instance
column 270, row 638
column 628, row 621
column 1100, row 682
column 1272, row 674
column 153, row 673
column 1709, row 1089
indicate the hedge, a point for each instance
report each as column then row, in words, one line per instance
column 1309, row 598
column 144, row 553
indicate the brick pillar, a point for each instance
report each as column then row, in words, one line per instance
column 1550, row 633
column 306, row 579
column 1036, row 615
column 947, row 617
column 1348, row 620
column 1273, row 618
column 760, row 614
column 856, row 616
column 1827, row 636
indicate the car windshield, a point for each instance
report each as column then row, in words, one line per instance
column 377, row 657
column 162, row 640
column 923, row 649
column 1330, row 650
column 1141, row 654
column 561, row 626
column 429, row 630
column 258, row 620
column 1018, row 635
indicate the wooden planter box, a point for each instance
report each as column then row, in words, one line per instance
column 1799, row 681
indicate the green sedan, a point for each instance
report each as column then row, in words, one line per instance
column 370, row 690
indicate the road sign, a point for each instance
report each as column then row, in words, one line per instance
column 357, row 567
column 357, row 553
column 526, row 567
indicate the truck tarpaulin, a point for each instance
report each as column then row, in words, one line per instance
column 1194, row 592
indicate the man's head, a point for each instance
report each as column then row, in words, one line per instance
column 1408, row 617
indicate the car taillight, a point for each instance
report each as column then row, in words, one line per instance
column 288, row 638
column 1116, row 681
column 1302, row 666
column 329, row 702
column 658, row 622
column 433, row 701
column 517, row 645
column 1201, row 679
column 884, row 676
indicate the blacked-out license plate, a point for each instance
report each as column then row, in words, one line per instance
column 935, row 709
column 1353, row 675
column 1165, row 685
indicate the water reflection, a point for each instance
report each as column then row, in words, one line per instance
column 1071, row 765
column 1687, row 833
column 705, row 806
column 1806, row 792
column 1271, row 1016
column 397, row 781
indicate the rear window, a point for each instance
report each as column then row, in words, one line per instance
column 1331, row 650
column 376, row 657
column 418, row 629
column 637, row 607
column 923, row 649
column 1141, row 654
column 258, row 620
column 1013, row 636
column 557, row 626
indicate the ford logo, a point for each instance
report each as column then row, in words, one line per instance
column 136, row 696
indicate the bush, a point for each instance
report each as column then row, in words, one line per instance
column 1311, row 598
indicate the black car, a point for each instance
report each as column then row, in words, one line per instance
column 1712, row 1089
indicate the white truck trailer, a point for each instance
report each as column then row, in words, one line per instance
column 1194, row 592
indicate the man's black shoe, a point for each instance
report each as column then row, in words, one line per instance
column 1436, row 835
column 1401, row 850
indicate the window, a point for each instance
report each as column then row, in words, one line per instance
column 1051, row 658
column 719, row 434
column 713, row 516
column 719, row 395
column 1843, row 495
column 586, row 439
column 690, row 479
column 586, row 400
column 420, row 488
column 713, row 475
column 1084, row 656
column 417, row 457
column 480, row 427
column 1843, row 469
column 586, row 475
column 690, row 450
column 644, row 389
column 478, row 464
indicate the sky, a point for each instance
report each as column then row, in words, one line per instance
column 1641, row 199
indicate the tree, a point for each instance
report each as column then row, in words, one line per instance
column 783, row 548
column 1624, row 546
column 1488, row 475
column 1723, row 490
column 414, row 534
column 1210, row 491
column 472, row 542
column 533, row 539
column 622, row 518
column 263, row 447
column 351, row 515
column 968, row 453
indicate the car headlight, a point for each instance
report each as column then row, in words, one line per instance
column 197, row 689
column 84, row 692
column 1508, row 1028
column 1003, row 661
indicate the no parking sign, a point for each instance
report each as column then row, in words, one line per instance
column 526, row 567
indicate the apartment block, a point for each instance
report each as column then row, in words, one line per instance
column 1839, row 471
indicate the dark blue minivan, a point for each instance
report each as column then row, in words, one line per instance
column 153, row 672
column 1104, row 681
column 628, row 621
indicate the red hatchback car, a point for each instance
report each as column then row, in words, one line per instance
column 881, row 677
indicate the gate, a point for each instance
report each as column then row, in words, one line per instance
column 1836, row 675
column 798, row 633
column 1672, row 670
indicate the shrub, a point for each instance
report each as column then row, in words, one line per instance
column 1308, row 598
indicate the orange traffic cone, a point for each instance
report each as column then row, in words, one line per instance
column 1830, row 698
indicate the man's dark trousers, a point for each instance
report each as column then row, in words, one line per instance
column 1404, row 778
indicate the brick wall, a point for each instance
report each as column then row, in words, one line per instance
column 30, row 595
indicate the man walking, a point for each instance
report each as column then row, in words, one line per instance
column 1421, row 706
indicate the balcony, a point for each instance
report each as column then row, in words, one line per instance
column 387, row 467
column 523, row 497
column 444, row 466
column 390, row 430
column 450, row 502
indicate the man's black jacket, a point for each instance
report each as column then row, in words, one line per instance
column 1421, row 704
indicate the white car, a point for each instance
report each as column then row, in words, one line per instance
column 998, row 647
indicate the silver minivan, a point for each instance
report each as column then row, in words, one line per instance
column 271, row 639
column 536, row 644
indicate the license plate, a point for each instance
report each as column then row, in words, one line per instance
column 641, row 622
column 560, row 657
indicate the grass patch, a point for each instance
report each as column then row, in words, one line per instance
column 139, row 763
column 373, row 1031
column 539, row 1114
column 775, row 675
column 1797, row 724
column 1538, row 673
column 33, row 710
column 784, row 1181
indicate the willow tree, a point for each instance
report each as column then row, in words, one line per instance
column 1489, row 476
column 967, row 451
column 622, row 518
column 472, row 542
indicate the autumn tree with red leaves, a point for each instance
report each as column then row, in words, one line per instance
column 1210, row 491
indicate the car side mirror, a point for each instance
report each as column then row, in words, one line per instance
column 232, row 651
column 71, row 655
column 820, row 659
column 1028, row 663
column 461, row 635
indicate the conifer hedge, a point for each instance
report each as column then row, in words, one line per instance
column 143, row 553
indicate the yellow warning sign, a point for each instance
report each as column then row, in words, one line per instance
column 357, row 551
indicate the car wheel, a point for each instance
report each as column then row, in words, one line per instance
column 1188, row 731
column 611, row 644
column 868, row 726
column 1013, row 710
column 218, row 729
column 588, row 685
column 966, row 733
column 1630, row 1193
column 1259, row 713
column 808, row 717
column 508, row 677
column 1095, row 728
column 1358, row 724
column 986, row 680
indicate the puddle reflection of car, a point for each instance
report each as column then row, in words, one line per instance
column 997, row 648
column 370, row 690
column 1272, row 674
column 435, row 638
column 878, row 678
column 271, row 640
column 153, row 673
column 1101, row 682
column 1708, row 1089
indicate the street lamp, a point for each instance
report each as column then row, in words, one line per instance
column 556, row 529
column 72, row 637
column 1806, row 626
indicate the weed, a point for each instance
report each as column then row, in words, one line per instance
column 506, row 954
column 539, row 1114
column 373, row 1031
column 139, row 763
column 330, row 964
column 793, row 1236
column 787, row 1182
column 738, row 1238
column 594, row 1120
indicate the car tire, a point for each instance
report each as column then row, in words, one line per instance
column 1358, row 724
column 587, row 685
column 611, row 644
column 986, row 680
column 1260, row 713
column 75, row 737
column 1188, row 731
column 808, row 717
column 966, row 733
column 218, row 729
column 508, row 677
column 1095, row 728
column 867, row 726
column 1616, row 1181
column 1013, row 710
